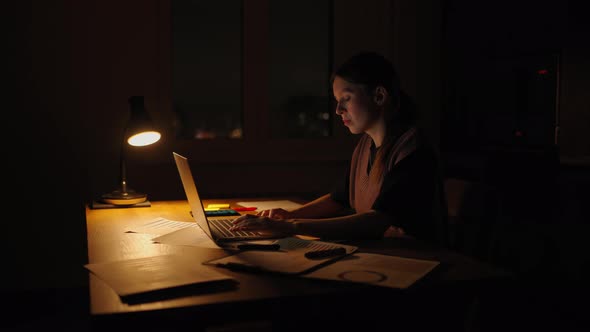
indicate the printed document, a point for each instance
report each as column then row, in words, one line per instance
column 189, row 236
column 290, row 259
column 381, row 270
column 161, row 226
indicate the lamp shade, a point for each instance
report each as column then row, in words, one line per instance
column 140, row 129
column 139, row 132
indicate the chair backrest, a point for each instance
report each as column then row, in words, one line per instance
column 471, row 212
column 464, row 198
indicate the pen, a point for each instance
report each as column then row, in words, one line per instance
column 253, row 246
column 252, row 208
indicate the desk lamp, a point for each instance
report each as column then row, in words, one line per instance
column 139, row 132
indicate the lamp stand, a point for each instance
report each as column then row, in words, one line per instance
column 123, row 195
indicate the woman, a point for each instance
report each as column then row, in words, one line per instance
column 393, row 186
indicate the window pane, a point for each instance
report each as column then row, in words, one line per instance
column 206, row 68
column 299, row 89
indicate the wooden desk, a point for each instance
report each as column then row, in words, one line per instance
column 257, row 296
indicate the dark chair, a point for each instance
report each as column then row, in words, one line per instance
column 471, row 210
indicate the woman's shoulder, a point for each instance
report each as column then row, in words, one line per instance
column 411, row 141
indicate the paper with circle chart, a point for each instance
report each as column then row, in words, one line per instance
column 381, row 270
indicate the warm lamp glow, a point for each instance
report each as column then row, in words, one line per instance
column 139, row 132
column 145, row 138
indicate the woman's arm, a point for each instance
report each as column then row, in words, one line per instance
column 321, row 207
column 371, row 224
column 367, row 225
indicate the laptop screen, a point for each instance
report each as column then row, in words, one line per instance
column 192, row 195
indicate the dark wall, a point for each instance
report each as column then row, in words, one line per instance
column 45, row 178
column 495, row 55
column 516, row 98
column 515, row 131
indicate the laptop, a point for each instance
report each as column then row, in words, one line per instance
column 216, row 227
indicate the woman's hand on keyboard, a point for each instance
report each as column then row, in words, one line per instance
column 256, row 223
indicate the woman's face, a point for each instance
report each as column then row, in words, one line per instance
column 354, row 105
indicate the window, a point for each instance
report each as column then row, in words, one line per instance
column 300, row 62
column 253, row 76
column 206, row 70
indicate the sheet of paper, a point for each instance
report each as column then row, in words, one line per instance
column 266, row 205
column 188, row 236
column 290, row 259
column 301, row 246
column 381, row 270
column 141, row 275
column 161, row 226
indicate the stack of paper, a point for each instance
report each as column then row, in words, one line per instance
column 150, row 274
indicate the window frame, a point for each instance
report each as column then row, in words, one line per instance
column 257, row 144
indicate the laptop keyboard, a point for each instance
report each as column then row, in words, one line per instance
column 223, row 225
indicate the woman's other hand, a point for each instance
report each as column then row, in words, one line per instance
column 275, row 213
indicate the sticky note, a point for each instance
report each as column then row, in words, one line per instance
column 218, row 206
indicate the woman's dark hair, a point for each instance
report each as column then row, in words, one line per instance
column 371, row 70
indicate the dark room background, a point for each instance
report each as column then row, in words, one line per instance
column 493, row 81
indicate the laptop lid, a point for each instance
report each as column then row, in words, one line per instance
column 192, row 195
column 198, row 211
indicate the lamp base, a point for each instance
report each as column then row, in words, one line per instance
column 128, row 197
column 99, row 204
